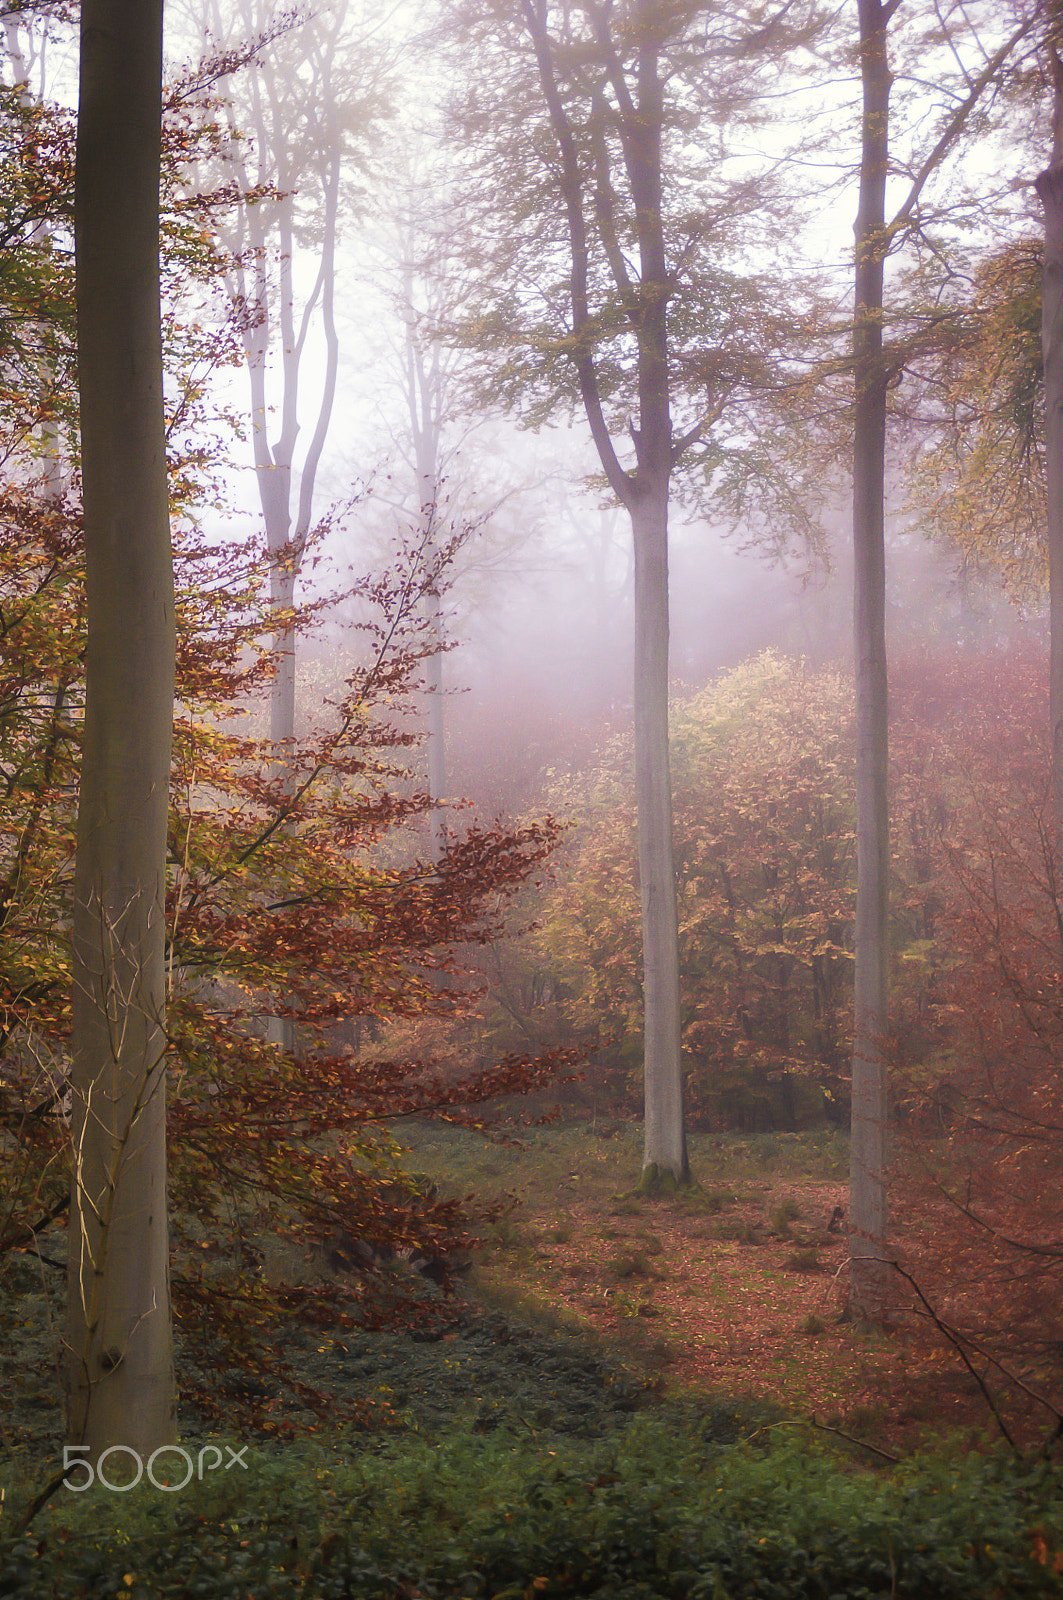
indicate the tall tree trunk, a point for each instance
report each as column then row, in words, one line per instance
column 871, row 1277
column 425, row 404
column 869, row 1269
column 120, row 1379
column 644, row 493
column 282, row 577
column 437, row 732
column 665, row 1148
column 1050, row 190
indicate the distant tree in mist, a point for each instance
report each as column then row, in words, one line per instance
column 1050, row 191
column 302, row 115
column 605, row 289
column 302, row 109
column 427, row 483
column 877, row 366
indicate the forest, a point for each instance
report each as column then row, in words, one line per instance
column 531, row 799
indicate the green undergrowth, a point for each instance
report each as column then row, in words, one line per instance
column 515, row 1457
column 673, row 1503
column 601, row 1162
column 566, row 1177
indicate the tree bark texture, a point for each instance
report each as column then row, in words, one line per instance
column 665, row 1134
column 870, row 1272
column 120, row 1379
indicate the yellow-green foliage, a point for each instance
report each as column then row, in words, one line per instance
column 762, row 769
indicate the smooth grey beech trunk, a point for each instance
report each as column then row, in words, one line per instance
column 426, row 406
column 664, row 1131
column 1050, row 191
column 664, row 1148
column 644, row 494
column 120, row 1377
column 869, row 1268
column 872, row 1279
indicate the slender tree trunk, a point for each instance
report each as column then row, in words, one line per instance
column 437, row 742
column 644, row 493
column 871, row 1278
column 120, row 1379
column 288, row 557
column 287, row 530
column 282, row 694
column 425, row 404
column 869, row 1270
column 1050, row 190
column 665, row 1140
column 665, row 1151
column 274, row 469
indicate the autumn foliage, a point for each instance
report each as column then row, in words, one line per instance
column 277, row 905
column 763, row 777
column 762, row 771
column 286, row 902
column 980, row 481
column 978, row 1060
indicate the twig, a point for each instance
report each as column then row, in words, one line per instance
column 23, row 1234
column 822, row 1427
column 956, row 1339
column 39, row 1500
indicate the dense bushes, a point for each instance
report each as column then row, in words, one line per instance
column 659, row 1510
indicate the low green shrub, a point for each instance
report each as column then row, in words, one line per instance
column 806, row 1259
column 661, row 1510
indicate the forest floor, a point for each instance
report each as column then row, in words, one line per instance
column 498, row 1436
column 587, row 1299
column 737, row 1289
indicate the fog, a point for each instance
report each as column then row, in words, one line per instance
column 425, row 439
column 538, row 605
column 539, row 665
